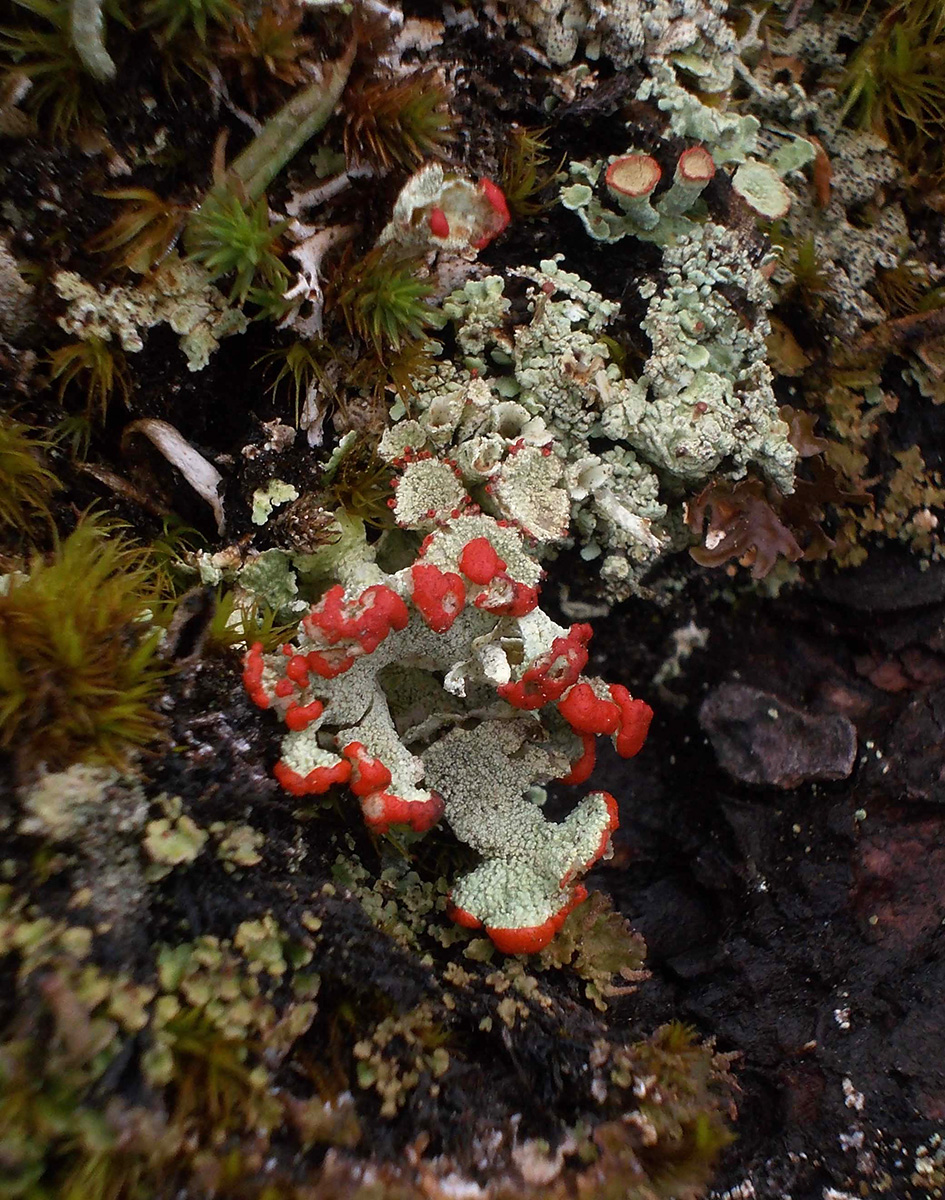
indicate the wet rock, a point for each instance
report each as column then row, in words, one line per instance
column 899, row 882
column 914, row 753
column 760, row 738
column 890, row 580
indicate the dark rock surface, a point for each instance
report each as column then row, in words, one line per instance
column 759, row 738
column 801, row 928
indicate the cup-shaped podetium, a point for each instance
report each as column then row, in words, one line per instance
column 631, row 181
column 694, row 171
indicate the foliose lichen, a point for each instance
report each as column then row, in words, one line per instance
column 518, row 415
column 178, row 292
column 693, row 32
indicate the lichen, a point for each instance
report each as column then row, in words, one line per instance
column 17, row 302
column 515, row 418
column 362, row 710
column 178, row 292
column 275, row 493
column 442, row 210
column 693, row 32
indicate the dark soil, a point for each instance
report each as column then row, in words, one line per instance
column 800, row 927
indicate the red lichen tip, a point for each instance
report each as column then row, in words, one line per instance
column 583, row 767
column 506, row 597
column 366, row 620
column 585, row 712
column 635, row 175
column 635, row 718
column 382, row 611
column 315, row 782
column 252, row 675
column 533, row 938
column 439, row 225
column 613, row 823
column 439, row 595
column 479, row 561
column 330, row 665
column 496, row 197
column 368, row 773
column 297, row 669
column 300, row 716
column 461, row 916
column 500, row 212
column 552, row 673
column 382, row 810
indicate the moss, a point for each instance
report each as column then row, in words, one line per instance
column 240, row 619
column 26, row 484
column 41, row 47
column 383, row 300
column 526, row 172
column 297, row 370
column 94, row 368
column 231, row 236
column 265, row 50
column 398, row 122
column 894, row 81
column 144, row 231
column 78, row 664
column 171, row 19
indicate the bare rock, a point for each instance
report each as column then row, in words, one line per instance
column 760, row 738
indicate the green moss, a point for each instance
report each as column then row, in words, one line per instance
column 78, row 668
column 26, row 485
column 143, row 232
column 232, row 237
column 397, row 122
column 360, row 484
column 63, row 96
column 173, row 18
column 240, row 620
column 895, row 81
column 526, row 172
column 296, row 369
column 383, row 300
column 95, row 369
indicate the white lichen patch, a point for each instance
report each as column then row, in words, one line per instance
column 534, row 393
column 178, row 292
column 626, row 31
column 429, row 493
